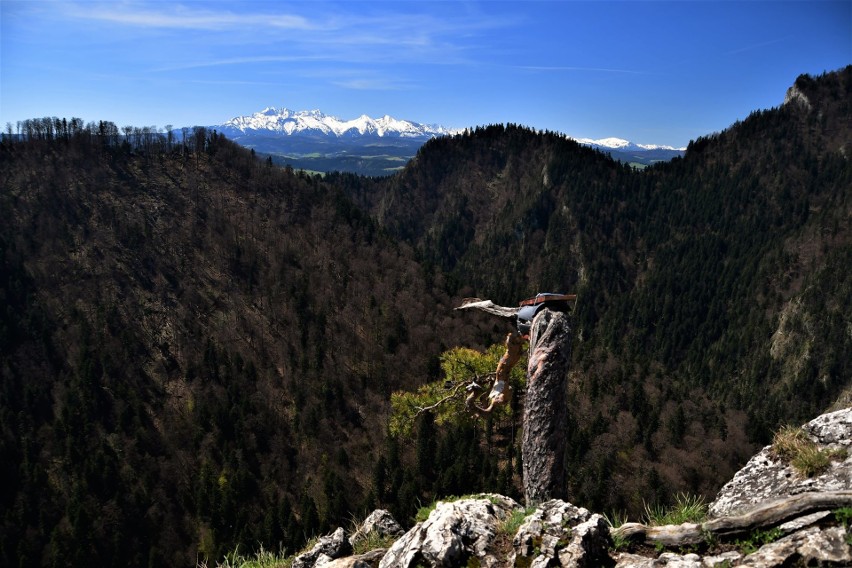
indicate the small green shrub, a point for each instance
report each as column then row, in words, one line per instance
column 511, row 525
column 844, row 516
column 757, row 539
column 424, row 512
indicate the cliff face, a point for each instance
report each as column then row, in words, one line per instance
column 769, row 515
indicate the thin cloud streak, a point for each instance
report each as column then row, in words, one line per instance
column 588, row 69
column 756, row 46
column 372, row 85
column 242, row 61
column 188, row 19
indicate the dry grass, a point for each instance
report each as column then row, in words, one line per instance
column 792, row 445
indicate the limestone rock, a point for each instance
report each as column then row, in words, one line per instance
column 810, row 547
column 328, row 548
column 559, row 534
column 765, row 478
column 589, row 545
column 380, row 522
column 802, row 522
column 671, row 560
column 453, row 533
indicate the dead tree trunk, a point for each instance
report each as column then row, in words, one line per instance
column 765, row 515
column 546, row 408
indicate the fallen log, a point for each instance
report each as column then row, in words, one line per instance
column 765, row 515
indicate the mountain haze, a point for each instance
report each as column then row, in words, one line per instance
column 198, row 348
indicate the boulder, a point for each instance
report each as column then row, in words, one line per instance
column 328, row 548
column 379, row 522
column 454, row 533
column 766, row 477
column 809, row 547
column 672, row 560
column 559, row 534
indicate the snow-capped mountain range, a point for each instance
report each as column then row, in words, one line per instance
column 315, row 141
column 624, row 145
column 314, row 122
column 289, row 122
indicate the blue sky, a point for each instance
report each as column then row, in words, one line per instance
column 651, row 72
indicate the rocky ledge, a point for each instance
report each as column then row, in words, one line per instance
column 768, row 515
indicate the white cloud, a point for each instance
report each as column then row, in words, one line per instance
column 180, row 17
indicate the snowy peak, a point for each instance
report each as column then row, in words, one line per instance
column 623, row 145
column 288, row 123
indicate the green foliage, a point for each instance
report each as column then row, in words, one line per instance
column 844, row 516
column 426, row 510
column 686, row 509
column 444, row 398
column 514, row 521
column 757, row 539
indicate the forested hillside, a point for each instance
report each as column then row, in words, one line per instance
column 198, row 348
column 713, row 291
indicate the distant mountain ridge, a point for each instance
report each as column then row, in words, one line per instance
column 313, row 140
column 639, row 155
column 315, row 122
column 624, row 145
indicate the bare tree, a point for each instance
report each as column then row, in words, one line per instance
column 546, row 408
column 546, row 404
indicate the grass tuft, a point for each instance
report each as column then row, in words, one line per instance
column 260, row 559
column 687, row 509
column 373, row 541
column 792, row 445
column 615, row 520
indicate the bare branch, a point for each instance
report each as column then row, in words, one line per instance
column 476, row 379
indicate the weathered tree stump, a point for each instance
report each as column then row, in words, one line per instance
column 546, row 408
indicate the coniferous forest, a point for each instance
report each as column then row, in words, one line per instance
column 198, row 348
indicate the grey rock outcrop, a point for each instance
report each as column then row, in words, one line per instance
column 559, row 534
column 766, row 477
column 453, row 533
column 328, row 548
column 380, row 522
column 672, row 560
column 810, row 547
column 767, row 494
